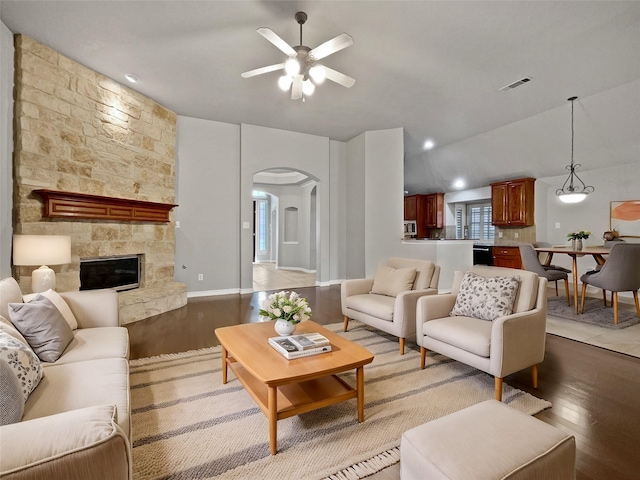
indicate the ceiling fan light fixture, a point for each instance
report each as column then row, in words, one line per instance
column 573, row 189
column 284, row 82
column 308, row 87
column 292, row 67
column 318, row 74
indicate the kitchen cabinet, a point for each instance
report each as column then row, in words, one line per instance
column 512, row 203
column 435, row 210
column 508, row 257
column 415, row 209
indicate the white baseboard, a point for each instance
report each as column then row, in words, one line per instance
column 296, row 269
column 213, row 293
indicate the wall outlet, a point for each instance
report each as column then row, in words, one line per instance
column 557, row 224
column 200, row 277
column 500, row 234
column 246, row 225
column 177, row 223
column 516, row 235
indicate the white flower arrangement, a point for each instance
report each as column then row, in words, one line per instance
column 287, row 306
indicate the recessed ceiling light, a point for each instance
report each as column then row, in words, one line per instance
column 459, row 183
column 428, row 145
column 132, row 78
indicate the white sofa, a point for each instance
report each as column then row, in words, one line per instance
column 76, row 422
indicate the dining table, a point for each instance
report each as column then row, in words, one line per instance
column 598, row 254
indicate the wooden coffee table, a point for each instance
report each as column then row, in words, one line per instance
column 283, row 388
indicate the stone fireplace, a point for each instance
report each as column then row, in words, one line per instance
column 78, row 131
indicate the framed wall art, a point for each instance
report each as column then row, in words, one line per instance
column 624, row 218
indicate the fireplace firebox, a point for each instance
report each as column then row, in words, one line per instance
column 118, row 272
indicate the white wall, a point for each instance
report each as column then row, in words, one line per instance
column 355, row 207
column 6, row 148
column 384, row 196
column 208, row 175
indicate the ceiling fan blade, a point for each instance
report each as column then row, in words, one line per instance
column 277, row 41
column 260, row 71
column 296, row 88
column 338, row 77
column 331, row 46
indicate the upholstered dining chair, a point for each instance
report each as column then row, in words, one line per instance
column 493, row 320
column 620, row 273
column 549, row 267
column 388, row 301
column 531, row 263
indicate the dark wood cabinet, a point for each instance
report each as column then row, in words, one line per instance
column 435, row 210
column 512, row 203
column 508, row 257
column 415, row 209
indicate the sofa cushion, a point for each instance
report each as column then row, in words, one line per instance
column 393, row 281
column 379, row 306
column 468, row 333
column 43, row 326
column 82, row 444
column 60, row 304
column 11, row 396
column 24, row 363
column 83, row 384
column 486, row 298
column 95, row 343
column 9, row 293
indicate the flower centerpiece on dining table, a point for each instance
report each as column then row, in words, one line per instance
column 577, row 237
column 287, row 309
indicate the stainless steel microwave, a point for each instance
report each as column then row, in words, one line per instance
column 410, row 228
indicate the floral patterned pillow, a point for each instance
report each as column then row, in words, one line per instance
column 486, row 298
column 24, row 363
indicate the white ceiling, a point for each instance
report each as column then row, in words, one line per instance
column 431, row 67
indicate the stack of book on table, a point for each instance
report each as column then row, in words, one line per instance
column 302, row 345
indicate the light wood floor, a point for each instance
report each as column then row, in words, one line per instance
column 267, row 277
column 595, row 392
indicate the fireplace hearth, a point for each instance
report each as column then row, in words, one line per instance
column 118, row 272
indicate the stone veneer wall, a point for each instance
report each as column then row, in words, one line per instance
column 78, row 131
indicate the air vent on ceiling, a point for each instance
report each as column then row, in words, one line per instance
column 513, row 85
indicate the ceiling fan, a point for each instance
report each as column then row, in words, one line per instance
column 301, row 67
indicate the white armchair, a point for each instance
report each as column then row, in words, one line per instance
column 505, row 345
column 388, row 301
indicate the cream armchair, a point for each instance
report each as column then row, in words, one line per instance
column 505, row 345
column 388, row 301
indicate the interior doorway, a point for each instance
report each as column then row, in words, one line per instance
column 285, row 230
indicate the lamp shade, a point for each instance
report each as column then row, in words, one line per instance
column 41, row 249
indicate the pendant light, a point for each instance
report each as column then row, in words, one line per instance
column 573, row 190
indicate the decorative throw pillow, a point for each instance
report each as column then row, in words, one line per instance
column 60, row 304
column 44, row 327
column 7, row 327
column 393, row 281
column 11, row 397
column 486, row 298
column 23, row 362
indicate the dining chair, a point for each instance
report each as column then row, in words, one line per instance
column 549, row 267
column 620, row 273
column 531, row 263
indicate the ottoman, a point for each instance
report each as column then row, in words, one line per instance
column 489, row 440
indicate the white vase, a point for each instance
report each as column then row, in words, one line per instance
column 284, row 328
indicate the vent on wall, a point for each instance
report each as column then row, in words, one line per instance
column 513, row 85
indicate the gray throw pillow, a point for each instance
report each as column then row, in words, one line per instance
column 11, row 397
column 43, row 326
column 486, row 298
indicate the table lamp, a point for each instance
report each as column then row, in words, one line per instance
column 32, row 250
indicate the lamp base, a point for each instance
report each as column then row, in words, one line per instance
column 43, row 279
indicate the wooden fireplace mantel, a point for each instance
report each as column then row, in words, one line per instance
column 80, row 205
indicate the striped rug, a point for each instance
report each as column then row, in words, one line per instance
column 187, row 425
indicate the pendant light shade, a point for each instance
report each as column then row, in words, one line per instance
column 573, row 189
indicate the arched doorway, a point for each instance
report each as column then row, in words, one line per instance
column 285, row 231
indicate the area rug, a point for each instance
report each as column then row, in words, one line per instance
column 595, row 313
column 187, row 425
